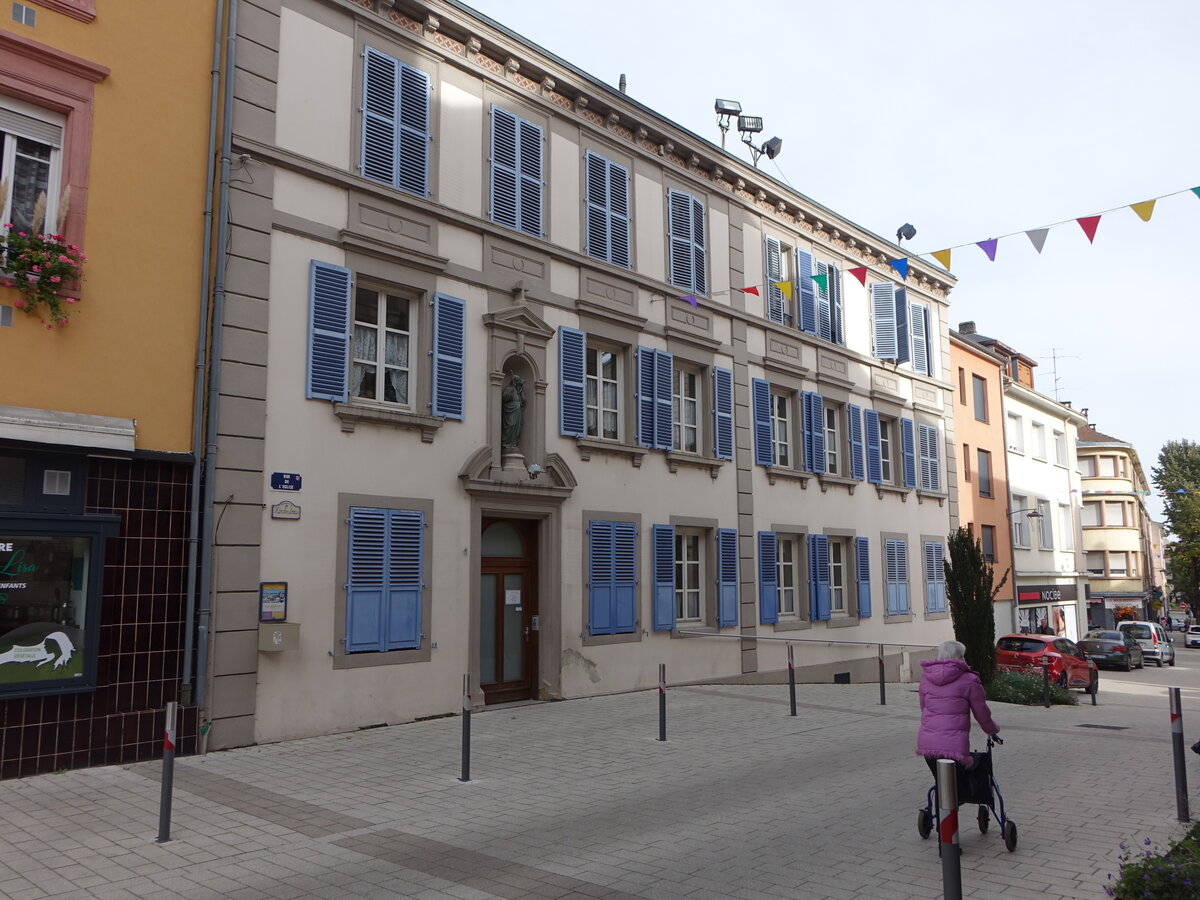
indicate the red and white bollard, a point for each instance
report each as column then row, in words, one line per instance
column 947, row 794
column 168, row 773
column 1181, row 795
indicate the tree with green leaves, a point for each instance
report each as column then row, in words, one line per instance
column 971, row 591
column 1177, row 476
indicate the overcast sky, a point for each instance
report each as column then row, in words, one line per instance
column 970, row 121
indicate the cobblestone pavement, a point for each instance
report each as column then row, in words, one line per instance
column 579, row 799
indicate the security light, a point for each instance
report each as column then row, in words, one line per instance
column 750, row 124
column 773, row 147
column 905, row 233
column 727, row 107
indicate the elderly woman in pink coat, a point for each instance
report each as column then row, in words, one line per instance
column 950, row 693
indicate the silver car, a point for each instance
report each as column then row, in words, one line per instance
column 1153, row 638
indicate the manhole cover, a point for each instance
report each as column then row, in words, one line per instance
column 1106, row 727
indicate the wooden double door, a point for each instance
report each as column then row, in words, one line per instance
column 508, row 610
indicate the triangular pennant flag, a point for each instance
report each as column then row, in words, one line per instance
column 900, row 265
column 822, row 281
column 1145, row 209
column 690, row 300
column 1037, row 237
column 1089, row 224
column 942, row 256
column 860, row 272
column 785, row 286
column 750, row 290
column 1196, row 191
column 988, row 247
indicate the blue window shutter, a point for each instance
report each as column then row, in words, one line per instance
column 768, row 578
column 620, row 216
column 366, row 585
column 663, row 553
column 596, row 235
column 889, row 576
column 814, row 432
column 909, row 453
column 601, row 577
column 664, row 372
column 835, row 302
column 572, row 345
column 505, row 194
column 920, row 346
column 883, row 320
column 874, row 450
column 824, row 307
column 449, row 356
column 727, row 578
column 380, row 117
column 625, row 552
column 723, row 413
column 818, row 582
column 902, row 336
column 645, row 397
column 854, row 430
column 776, row 303
column 681, row 263
column 699, row 247
column 413, row 168
column 862, row 574
column 897, row 576
column 328, row 331
column 808, row 300
column 406, row 544
column 935, row 577
column 530, row 169
column 761, row 401
column 929, row 342
column 928, row 447
column 806, row 428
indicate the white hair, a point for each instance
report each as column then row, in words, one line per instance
column 951, row 650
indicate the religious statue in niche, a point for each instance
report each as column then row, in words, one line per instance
column 512, row 412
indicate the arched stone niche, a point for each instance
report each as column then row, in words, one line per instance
column 518, row 345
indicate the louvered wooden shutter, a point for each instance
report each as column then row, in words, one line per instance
column 855, row 431
column 902, row 336
column 920, row 346
column 935, row 577
column 723, row 413
column 571, row 351
column 601, row 580
column 808, row 302
column 818, row 582
column 608, row 217
column 328, row 331
column 645, row 397
column 663, row 554
column 505, row 178
column 874, row 450
column 681, row 264
column 814, row 433
column 664, row 372
column 727, row 578
column 930, row 468
column 835, row 302
column 449, row 356
column 862, row 574
column 768, row 578
column 775, row 298
column 909, row 453
column 824, row 308
column 761, row 402
column 395, row 125
column 413, row 167
column 625, row 548
column 383, row 590
column 883, row 320
column 699, row 247
column 406, row 536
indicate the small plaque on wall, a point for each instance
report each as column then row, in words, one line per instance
column 272, row 601
column 285, row 509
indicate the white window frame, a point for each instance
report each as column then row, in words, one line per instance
column 1087, row 466
column 1060, row 448
column 887, row 440
column 1066, row 527
column 1038, row 440
column 789, row 582
column 1016, row 433
column 689, row 561
column 833, row 415
column 1100, row 572
column 1117, row 521
column 839, row 595
column 1045, row 525
column 781, row 429
column 381, row 331
column 1113, row 570
column 594, row 380
column 1021, row 536
column 1116, row 468
column 685, row 396
column 24, row 121
column 1092, row 514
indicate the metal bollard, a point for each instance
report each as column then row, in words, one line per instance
column 662, row 701
column 792, row 678
column 882, row 689
column 1181, row 798
column 1046, row 680
column 466, row 732
column 168, row 774
column 947, row 793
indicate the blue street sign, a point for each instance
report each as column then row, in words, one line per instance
column 285, row 481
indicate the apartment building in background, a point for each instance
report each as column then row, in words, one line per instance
column 522, row 381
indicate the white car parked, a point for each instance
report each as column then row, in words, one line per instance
column 1193, row 636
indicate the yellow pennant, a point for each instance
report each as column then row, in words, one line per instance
column 1145, row 209
column 785, row 286
column 942, row 256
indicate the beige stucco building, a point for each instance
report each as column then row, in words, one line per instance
column 521, row 381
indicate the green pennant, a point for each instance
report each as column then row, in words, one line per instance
column 1196, row 191
column 822, row 281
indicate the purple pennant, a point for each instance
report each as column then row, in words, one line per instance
column 988, row 247
column 691, row 300
column 901, row 266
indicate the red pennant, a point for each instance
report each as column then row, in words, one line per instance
column 1089, row 225
column 861, row 274
column 750, row 290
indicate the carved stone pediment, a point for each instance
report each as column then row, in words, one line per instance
column 520, row 320
column 480, row 476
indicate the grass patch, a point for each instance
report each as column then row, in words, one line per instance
column 1027, row 690
column 1146, row 871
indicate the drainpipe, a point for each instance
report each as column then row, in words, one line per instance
column 214, row 370
column 185, row 683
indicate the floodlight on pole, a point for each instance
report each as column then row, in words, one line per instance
column 725, row 110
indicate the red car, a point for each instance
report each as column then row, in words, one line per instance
column 1069, row 666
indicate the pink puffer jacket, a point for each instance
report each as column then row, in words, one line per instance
column 950, row 693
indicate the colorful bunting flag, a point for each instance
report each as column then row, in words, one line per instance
column 901, row 266
column 691, row 301
column 1089, row 224
column 1037, row 237
column 785, row 286
column 1196, row 191
column 988, row 247
column 822, row 281
column 859, row 272
column 750, row 290
column 1145, row 209
column 943, row 256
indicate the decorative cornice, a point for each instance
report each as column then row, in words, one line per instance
column 50, row 56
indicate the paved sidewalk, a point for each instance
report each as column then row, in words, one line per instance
column 578, row 799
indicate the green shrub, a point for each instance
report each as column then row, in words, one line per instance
column 1018, row 687
column 1145, row 873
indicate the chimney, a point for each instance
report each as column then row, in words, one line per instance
column 966, row 327
column 1084, row 412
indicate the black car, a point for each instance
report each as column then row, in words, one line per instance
column 1113, row 648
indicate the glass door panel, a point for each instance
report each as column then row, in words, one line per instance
column 514, row 638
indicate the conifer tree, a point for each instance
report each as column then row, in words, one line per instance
column 971, row 591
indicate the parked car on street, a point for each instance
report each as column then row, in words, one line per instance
column 1118, row 649
column 1069, row 666
column 1178, row 623
column 1153, row 638
column 1193, row 636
